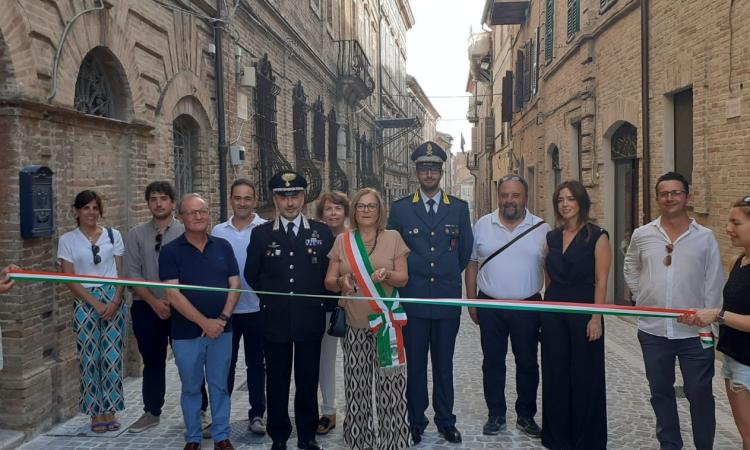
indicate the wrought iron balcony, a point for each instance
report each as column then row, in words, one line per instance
column 355, row 82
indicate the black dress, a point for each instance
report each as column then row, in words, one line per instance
column 574, row 399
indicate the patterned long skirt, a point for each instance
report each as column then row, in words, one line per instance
column 100, row 345
column 360, row 364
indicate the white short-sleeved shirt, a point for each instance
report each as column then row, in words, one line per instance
column 240, row 240
column 518, row 272
column 75, row 248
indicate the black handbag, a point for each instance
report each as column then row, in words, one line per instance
column 337, row 324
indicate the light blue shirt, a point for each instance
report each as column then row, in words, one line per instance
column 239, row 240
column 437, row 197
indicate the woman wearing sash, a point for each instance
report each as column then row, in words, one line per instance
column 369, row 261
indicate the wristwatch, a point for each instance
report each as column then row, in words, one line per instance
column 720, row 317
column 223, row 317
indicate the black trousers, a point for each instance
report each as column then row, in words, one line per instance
column 248, row 327
column 152, row 335
column 574, row 397
column 280, row 357
column 495, row 326
column 697, row 366
column 438, row 338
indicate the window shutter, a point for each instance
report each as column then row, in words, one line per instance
column 506, row 113
column 549, row 32
column 489, row 134
column 519, row 81
column 527, row 72
column 574, row 19
column 535, row 63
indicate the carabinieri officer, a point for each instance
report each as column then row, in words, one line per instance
column 289, row 254
column 437, row 229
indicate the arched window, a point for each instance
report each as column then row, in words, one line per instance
column 185, row 132
column 101, row 86
column 625, row 142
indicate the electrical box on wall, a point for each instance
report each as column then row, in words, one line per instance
column 247, row 76
column 237, row 155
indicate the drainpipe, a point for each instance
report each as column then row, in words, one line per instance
column 219, row 72
column 646, row 129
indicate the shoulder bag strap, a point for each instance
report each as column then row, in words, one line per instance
column 512, row 241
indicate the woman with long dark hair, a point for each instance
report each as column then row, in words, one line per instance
column 99, row 317
column 573, row 385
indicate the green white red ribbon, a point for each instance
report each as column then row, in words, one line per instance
column 707, row 337
column 523, row 305
column 389, row 317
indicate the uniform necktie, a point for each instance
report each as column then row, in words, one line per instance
column 430, row 207
column 290, row 230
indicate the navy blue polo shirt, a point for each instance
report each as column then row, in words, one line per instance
column 180, row 260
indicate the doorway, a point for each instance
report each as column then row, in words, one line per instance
column 624, row 157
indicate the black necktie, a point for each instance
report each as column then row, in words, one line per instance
column 290, row 230
column 431, row 207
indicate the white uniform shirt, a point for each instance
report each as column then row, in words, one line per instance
column 518, row 272
column 240, row 240
column 75, row 248
column 694, row 279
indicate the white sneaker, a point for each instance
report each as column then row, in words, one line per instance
column 257, row 425
column 206, row 424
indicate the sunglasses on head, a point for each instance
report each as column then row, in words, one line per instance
column 95, row 252
column 668, row 259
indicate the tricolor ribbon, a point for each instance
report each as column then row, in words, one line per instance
column 389, row 316
column 522, row 305
column 707, row 337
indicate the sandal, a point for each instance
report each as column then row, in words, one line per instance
column 113, row 426
column 325, row 425
column 99, row 427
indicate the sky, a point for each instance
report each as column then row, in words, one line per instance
column 437, row 58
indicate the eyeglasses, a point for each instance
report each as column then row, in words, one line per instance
column 367, row 206
column 510, row 178
column 157, row 247
column 664, row 195
column 746, row 200
column 196, row 212
column 668, row 259
column 426, row 169
column 95, row 252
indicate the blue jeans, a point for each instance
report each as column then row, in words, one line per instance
column 193, row 357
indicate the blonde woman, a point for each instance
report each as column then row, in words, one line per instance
column 333, row 209
column 384, row 253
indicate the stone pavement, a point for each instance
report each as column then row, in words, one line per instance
column 631, row 420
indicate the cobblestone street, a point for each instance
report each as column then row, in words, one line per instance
column 631, row 421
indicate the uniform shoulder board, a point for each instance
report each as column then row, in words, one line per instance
column 266, row 224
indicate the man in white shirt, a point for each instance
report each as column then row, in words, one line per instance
column 673, row 262
column 515, row 273
column 246, row 319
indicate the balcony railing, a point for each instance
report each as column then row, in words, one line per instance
column 355, row 81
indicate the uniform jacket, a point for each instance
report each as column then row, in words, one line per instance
column 440, row 250
column 276, row 263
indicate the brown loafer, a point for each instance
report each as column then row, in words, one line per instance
column 325, row 425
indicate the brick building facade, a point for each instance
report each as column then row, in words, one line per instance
column 113, row 95
column 576, row 81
